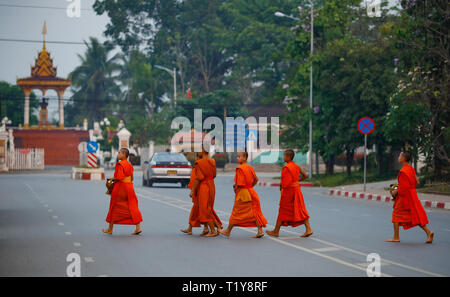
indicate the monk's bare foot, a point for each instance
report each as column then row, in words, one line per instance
column 307, row 234
column 259, row 234
column 393, row 240
column 206, row 231
column 107, row 231
column 225, row 232
column 430, row 238
column 187, row 231
column 272, row 233
column 211, row 234
column 137, row 232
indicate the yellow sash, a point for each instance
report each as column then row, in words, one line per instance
column 244, row 195
column 126, row 179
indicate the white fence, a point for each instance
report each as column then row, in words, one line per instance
column 25, row 159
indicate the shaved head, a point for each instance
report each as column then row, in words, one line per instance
column 407, row 156
column 125, row 151
column 245, row 154
column 290, row 153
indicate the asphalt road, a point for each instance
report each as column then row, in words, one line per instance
column 45, row 217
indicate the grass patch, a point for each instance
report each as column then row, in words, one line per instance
column 441, row 189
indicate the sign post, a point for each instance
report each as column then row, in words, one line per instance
column 92, row 147
column 365, row 126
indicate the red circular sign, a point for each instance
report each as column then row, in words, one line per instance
column 366, row 125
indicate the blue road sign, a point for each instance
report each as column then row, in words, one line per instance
column 251, row 134
column 235, row 135
column 366, row 125
column 92, row 146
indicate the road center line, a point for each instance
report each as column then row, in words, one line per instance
column 298, row 234
column 339, row 261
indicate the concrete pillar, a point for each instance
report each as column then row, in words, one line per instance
column 26, row 115
column 61, row 109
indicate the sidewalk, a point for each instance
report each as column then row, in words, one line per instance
column 378, row 192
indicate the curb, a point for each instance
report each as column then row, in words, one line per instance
column 88, row 176
column 384, row 198
column 267, row 184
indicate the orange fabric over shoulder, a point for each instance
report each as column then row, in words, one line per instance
column 123, row 207
column 246, row 213
column 203, row 201
column 292, row 211
column 408, row 211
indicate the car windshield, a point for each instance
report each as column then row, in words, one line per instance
column 169, row 158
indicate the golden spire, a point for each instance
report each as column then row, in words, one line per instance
column 44, row 32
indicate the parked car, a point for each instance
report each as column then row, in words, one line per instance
column 166, row 168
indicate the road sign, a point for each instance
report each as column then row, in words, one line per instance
column 252, row 135
column 235, row 138
column 92, row 160
column 92, row 146
column 366, row 125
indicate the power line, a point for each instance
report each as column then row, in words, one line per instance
column 40, row 41
column 39, row 7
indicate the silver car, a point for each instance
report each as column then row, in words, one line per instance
column 167, row 168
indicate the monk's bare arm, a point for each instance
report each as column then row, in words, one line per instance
column 195, row 186
column 255, row 181
column 303, row 176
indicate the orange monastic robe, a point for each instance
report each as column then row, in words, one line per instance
column 292, row 210
column 203, row 209
column 408, row 211
column 123, row 208
column 248, row 213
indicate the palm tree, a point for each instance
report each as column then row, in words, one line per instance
column 93, row 83
column 141, row 88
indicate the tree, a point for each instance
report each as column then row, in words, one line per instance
column 421, row 35
column 93, row 83
column 12, row 100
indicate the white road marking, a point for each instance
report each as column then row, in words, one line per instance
column 54, row 217
column 77, row 244
column 45, row 205
column 327, row 249
column 288, row 237
column 102, row 275
column 50, row 210
column 60, row 223
column 365, row 264
column 277, row 240
column 312, row 238
column 88, row 259
column 68, row 233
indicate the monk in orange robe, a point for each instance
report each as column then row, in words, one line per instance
column 203, row 193
column 247, row 208
column 408, row 211
column 123, row 208
column 292, row 211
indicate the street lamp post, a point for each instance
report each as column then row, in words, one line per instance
column 173, row 73
column 280, row 14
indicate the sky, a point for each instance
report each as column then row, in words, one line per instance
column 25, row 23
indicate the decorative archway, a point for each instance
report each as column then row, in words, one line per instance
column 43, row 77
